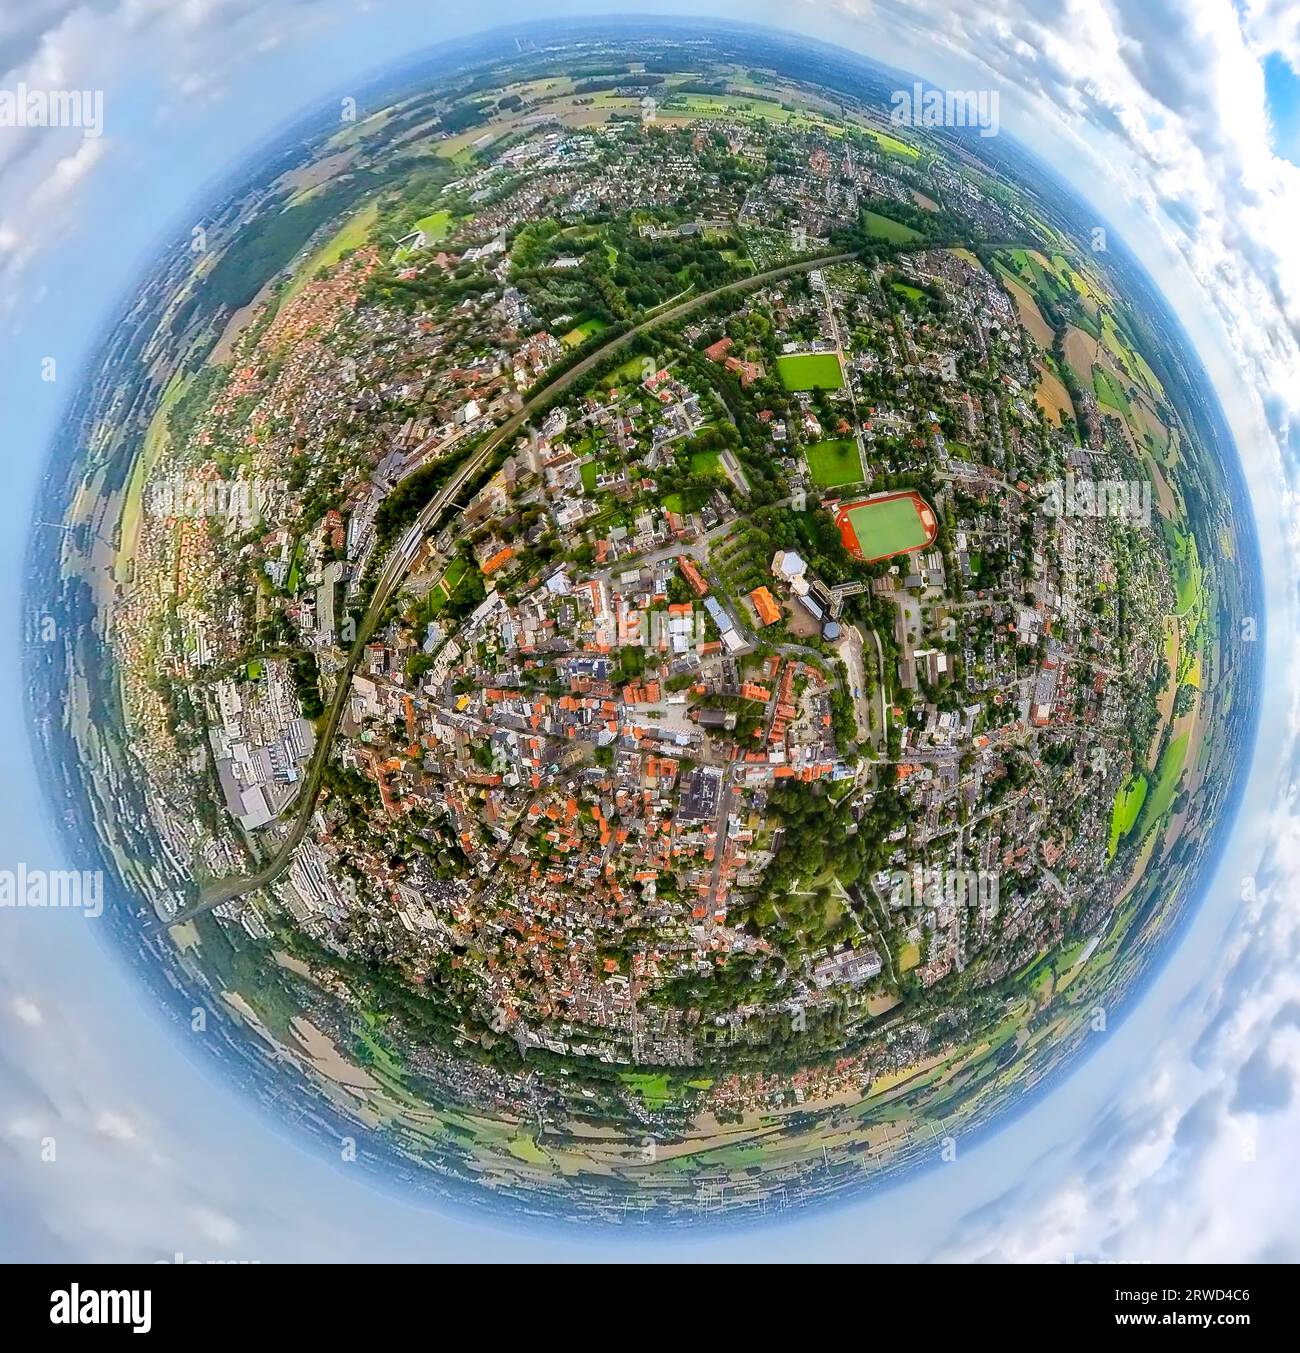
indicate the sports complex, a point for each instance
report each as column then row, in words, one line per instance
column 893, row 523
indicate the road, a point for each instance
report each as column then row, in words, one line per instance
column 850, row 651
column 720, row 823
column 849, row 381
column 399, row 562
column 881, row 682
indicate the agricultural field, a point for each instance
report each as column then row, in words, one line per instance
column 1110, row 395
column 678, row 105
column 1030, row 315
column 1052, row 394
column 1049, row 279
column 1168, row 773
column 810, row 371
column 1124, row 814
column 1187, row 571
column 461, row 148
column 892, row 144
column 156, row 441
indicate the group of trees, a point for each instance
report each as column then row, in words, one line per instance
column 306, row 680
column 826, row 848
column 406, row 501
column 930, row 229
column 652, row 271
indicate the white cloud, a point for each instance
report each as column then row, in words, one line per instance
column 25, row 1010
column 1274, row 26
column 115, row 1126
column 180, row 56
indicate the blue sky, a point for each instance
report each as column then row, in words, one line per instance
column 1175, row 1137
column 1283, row 89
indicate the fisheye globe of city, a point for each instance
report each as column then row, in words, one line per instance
column 651, row 629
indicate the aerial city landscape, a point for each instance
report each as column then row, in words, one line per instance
column 647, row 633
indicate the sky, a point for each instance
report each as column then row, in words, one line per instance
column 1178, row 121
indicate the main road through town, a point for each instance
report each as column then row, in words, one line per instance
column 403, row 554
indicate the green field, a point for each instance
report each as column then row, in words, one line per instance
column 1187, row 570
column 1168, row 773
column 632, row 372
column 579, row 334
column 352, row 235
column 911, row 292
column 295, row 568
column 689, row 500
column 655, row 1089
column 886, row 228
column 527, row 1150
column 1109, row 394
column 834, row 463
column 1039, row 279
column 706, row 462
column 887, row 527
column 445, row 589
column 892, row 143
column 1124, row 814
column 742, row 106
column 436, row 226
column 810, row 371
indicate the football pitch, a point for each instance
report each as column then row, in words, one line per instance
column 810, row 371
column 880, row 527
column 834, row 463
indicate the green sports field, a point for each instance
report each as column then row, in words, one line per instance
column 810, row 371
column 834, row 463
column 883, row 527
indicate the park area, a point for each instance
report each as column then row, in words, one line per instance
column 810, row 371
column 877, row 528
